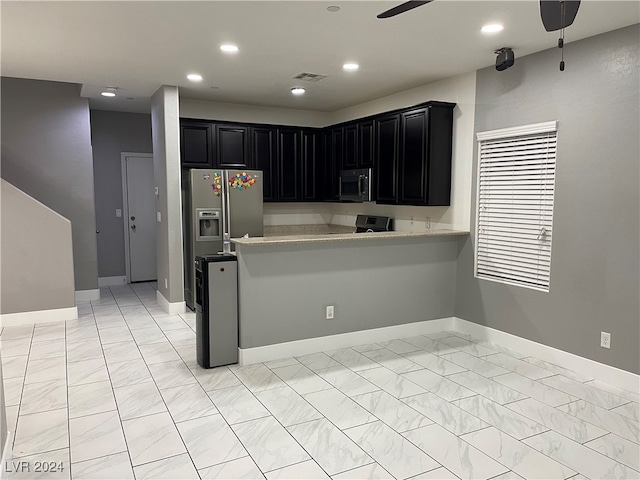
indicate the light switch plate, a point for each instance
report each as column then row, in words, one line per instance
column 158, row 217
column 118, row 212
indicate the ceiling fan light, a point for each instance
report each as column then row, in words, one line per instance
column 491, row 28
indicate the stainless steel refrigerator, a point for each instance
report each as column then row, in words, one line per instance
column 217, row 205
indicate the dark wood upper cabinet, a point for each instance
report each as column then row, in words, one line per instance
column 350, row 157
column 387, row 150
column 196, row 144
column 263, row 157
column 424, row 170
column 312, row 165
column 440, row 152
column 337, row 148
column 232, row 146
column 330, row 171
column 412, row 167
column 289, row 164
column 366, row 145
column 409, row 150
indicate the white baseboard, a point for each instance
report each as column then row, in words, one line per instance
column 7, row 453
column 611, row 375
column 266, row 353
column 87, row 295
column 38, row 316
column 110, row 281
column 590, row 368
column 175, row 308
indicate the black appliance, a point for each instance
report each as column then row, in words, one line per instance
column 373, row 223
column 216, row 310
column 356, row 185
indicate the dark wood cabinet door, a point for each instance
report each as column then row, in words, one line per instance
column 366, row 146
column 350, row 159
column 329, row 181
column 337, row 147
column 312, row 165
column 196, row 144
column 289, row 164
column 387, row 133
column 232, row 146
column 413, row 165
column 263, row 157
column 439, row 155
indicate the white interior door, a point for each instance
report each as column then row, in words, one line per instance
column 141, row 218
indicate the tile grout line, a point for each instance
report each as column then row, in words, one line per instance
column 333, row 386
column 160, row 392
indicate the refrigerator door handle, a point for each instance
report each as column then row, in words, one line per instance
column 226, row 235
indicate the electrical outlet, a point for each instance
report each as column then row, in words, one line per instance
column 605, row 340
column 158, row 217
column 166, row 283
column 427, row 223
column 329, row 312
column 118, row 212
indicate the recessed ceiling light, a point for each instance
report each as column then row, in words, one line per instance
column 109, row 92
column 195, row 77
column 229, row 48
column 350, row 67
column 492, row 28
column 333, row 8
column 297, row 90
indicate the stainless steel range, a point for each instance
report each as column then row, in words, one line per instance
column 373, row 223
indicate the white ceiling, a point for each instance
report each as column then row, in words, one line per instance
column 138, row 46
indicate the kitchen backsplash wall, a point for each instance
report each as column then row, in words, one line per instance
column 406, row 218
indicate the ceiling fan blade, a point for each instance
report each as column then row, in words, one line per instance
column 551, row 13
column 403, row 7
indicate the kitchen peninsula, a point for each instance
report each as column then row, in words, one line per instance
column 372, row 280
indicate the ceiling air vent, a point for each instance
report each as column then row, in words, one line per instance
column 310, row 77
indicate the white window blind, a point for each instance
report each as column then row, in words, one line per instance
column 516, row 179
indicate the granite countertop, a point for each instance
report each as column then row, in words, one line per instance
column 342, row 237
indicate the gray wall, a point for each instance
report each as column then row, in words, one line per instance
column 111, row 134
column 46, row 152
column 596, row 240
column 43, row 281
column 371, row 283
column 165, row 123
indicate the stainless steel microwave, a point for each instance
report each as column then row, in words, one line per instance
column 356, row 185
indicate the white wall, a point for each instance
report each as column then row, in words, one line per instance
column 250, row 113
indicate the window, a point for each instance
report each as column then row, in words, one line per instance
column 516, row 177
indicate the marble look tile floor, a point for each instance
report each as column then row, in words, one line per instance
column 118, row 394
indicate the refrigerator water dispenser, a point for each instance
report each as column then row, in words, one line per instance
column 208, row 226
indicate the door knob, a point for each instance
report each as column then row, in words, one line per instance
column 133, row 218
column 133, row 227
